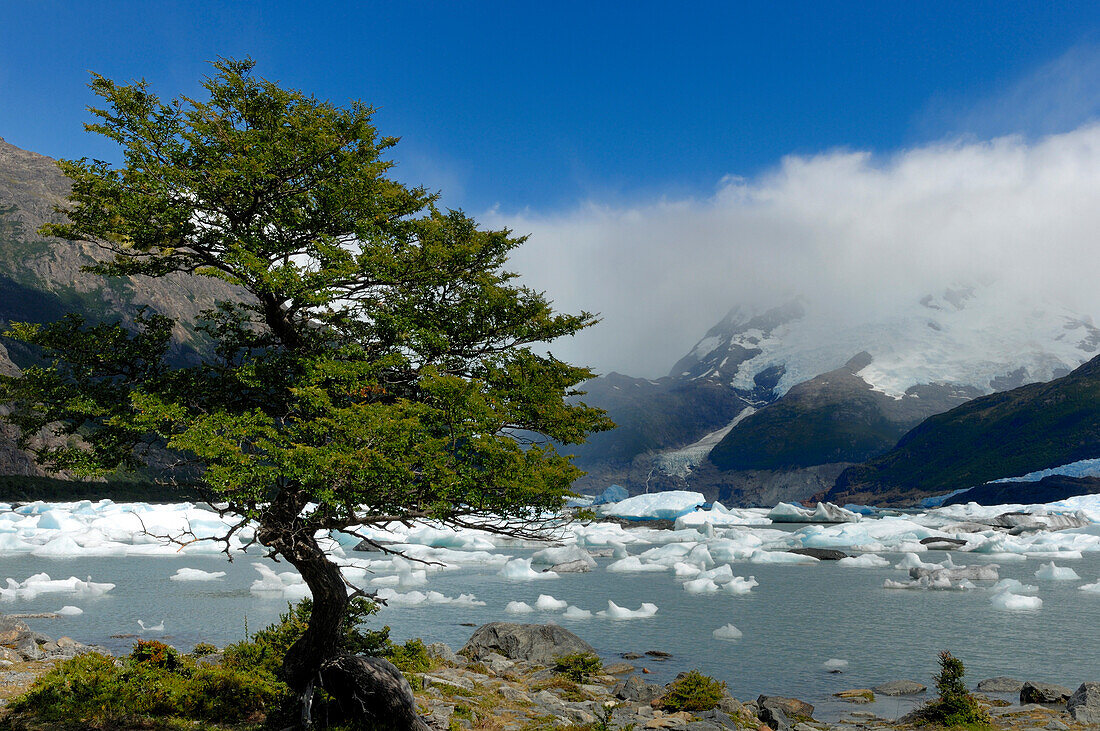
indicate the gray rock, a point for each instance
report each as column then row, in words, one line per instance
column 637, row 690
column 821, row 554
column 1000, row 684
column 718, row 717
column 791, row 706
column 443, row 651
column 988, row 572
column 940, row 543
column 371, row 690
column 536, row 643
column 570, row 567
column 900, row 687
column 1047, row 693
column 775, row 717
column 11, row 629
column 1084, row 704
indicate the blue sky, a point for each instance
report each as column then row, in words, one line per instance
column 541, row 106
column 669, row 160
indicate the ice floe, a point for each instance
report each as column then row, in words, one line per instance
column 1050, row 572
column 614, row 611
column 727, row 632
column 547, row 603
column 1016, row 602
column 185, row 574
column 518, row 608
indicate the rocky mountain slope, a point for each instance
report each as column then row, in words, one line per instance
column 1024, row 430
column 41, row 278
column 775, row 404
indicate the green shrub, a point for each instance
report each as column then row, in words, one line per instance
column 585, row 515
column 411, row 657
column 955, row 706
column 156, row 654
column 693, row 691
column 203, row 649
column 579, row 666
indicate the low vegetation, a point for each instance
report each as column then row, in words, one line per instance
column 693, row 691
column 156, row 686
column 579, row 666
column 955, row 706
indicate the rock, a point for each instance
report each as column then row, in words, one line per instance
column 637, row 690
column 1056, row 725
column 537, row 643
column 371, row 690
column 443, row 651
column 821, row 554
column 660, row 654
column 718, row 717
column 856, row 695
column 1044, row 693
column 781, row 713
column 579, row 566
column 1084, row 704
column 11, row 629
column 630, row 655
column 942, row 543
column 618, row 668
column 497, row 663
column 1000, row 684
column 900, row 687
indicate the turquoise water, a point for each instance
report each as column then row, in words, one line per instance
column 799, row 617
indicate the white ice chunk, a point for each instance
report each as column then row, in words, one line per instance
column 69, row 611
column 1015, row 602
column 835, row 665
column 667, row 505
column 614, row 611
column 864, row 561
column 518, row 608
column 196, row 575
column 520, row 569
column 823, row 513
column 572, row 612
column 1014, row 586
column 1050, row 572
column 740, row 585
column 727, row 632
column 632, row 564
column 547, row 603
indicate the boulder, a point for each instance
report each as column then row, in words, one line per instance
column 1000, row 684
column 637, row 690
column 1044, row 693
column 442, row 651
column 782, row 713
column 1084, row 704
column 821, row 554
column 11, row 629
column 941, row 543
column 856, row 695
column 370, row 690
column 900, row 687
column 535, row 643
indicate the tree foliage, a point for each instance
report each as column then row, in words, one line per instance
column 378, row 365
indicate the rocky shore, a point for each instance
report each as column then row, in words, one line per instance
column 504, row 679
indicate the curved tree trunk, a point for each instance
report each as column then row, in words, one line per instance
column 321, row 640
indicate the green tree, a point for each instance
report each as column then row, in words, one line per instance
column 376, row 367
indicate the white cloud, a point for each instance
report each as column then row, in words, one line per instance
column 857, row 233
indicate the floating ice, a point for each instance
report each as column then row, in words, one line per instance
column 1091, row 588
column 572, row 612
column 1013, row 585
column 196, row 575
column 415, row 598
column 564, row 554
column 614, row 611
column 287, row 584
column 69, row 611
column 667, row 505
column 740, row 585
column 39, row 584
column 520, row 569
column 727, row 632
column 864, row 561
column 518, row 608
column 634, row 564
column 1015, row 602
column 700, row 586
column 547, row 603
column 1050, row 572
column 835, row 665
column 823, row 513
column 613, row 494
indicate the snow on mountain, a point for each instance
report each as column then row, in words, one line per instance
column 976, row 336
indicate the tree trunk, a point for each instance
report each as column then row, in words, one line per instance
column 321, row 640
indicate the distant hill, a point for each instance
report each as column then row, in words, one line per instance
column 1016, row 432
column 41, row 278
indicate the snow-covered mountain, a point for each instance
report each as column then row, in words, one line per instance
column 974, row 336
column 825, row 389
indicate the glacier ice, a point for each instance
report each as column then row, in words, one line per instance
column 1016, row 602
column 520, row 569
column 547, row 603
column 864, row 561
column 518, row 608
column 185, row 574
column 656, row 505
column 1050, row 572
column 572, row 612
column 614, row 611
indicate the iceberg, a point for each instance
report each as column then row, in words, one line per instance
column 823, row 513
column 835, row 665
column 196, row 575
column 1015, row 602
column 864, row 561
column 1050, row 572
column 614, row 611
column 518, row 608
column 740, row 585
column 520, row 569
column 69, row 611
column 612, row 494
column 727, row 632
column 668, row 505
column 572, row 612
column 564, row 554
column 632, row 564
column 547, row 603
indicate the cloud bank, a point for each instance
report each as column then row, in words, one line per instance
column 857, row 234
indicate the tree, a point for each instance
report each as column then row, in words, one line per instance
column 377, row 367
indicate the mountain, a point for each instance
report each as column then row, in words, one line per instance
column 775, row 404
column 41, row 278
column 1024, row 430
